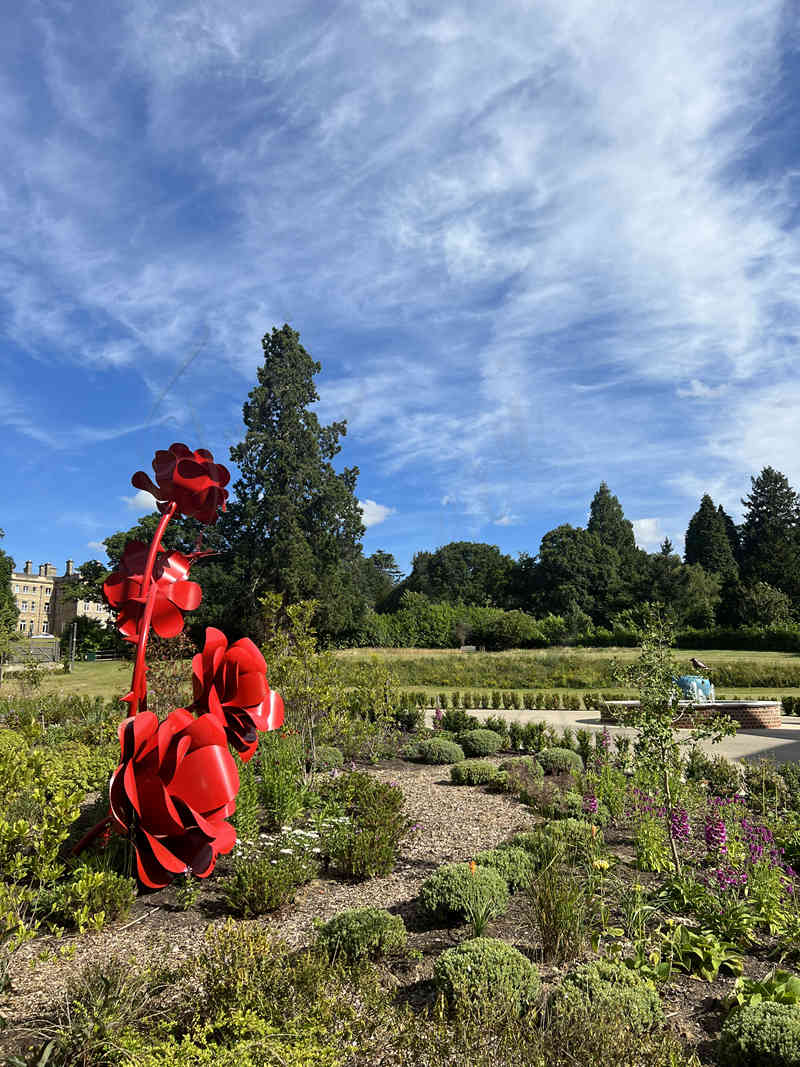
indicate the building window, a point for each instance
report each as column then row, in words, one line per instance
column 48, row 590
column 24, row 605
column 22, row 627
column 24, row 589
column 16, row 588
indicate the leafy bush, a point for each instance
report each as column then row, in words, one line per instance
column 362, row 933
column 606, row 987
column 454, row 889
column 523, row 767
column 473, row 772
column 480, row 742
column 279, row 758
column 88, row 898
column 328, row 758
column 366, row 844
column 497, row 725
column 486, row 977
column 515, row 864
column 260, row 884
column 436, row 750
column 790, row 772
column 724, row 777
column 581, row 838
column 560, row 761
column 456, row 721
column 761, row 1035
column 533, row 734
column 766, row 787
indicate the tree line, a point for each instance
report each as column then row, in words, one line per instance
column 294, row 527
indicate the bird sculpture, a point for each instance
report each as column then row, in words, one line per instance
column 698, row 665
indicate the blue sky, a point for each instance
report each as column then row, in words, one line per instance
column 534, row 246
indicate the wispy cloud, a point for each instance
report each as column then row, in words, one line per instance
column 140, row 501
column 533, row 247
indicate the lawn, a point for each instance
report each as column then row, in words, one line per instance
column 107, row 679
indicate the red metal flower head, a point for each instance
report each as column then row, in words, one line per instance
column 124, row 591
column 192, row 480
column 231, row 684
column 172, row 791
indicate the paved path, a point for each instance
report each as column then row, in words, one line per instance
column 782, row 745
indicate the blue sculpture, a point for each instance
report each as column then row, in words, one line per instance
column 695, row 688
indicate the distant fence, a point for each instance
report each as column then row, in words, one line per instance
column 42, row 649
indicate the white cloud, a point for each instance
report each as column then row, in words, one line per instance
column 506, row 520
column 98, row 546
column 374, row 514
column 698, row 390
column 648, row 533
column 140, row 501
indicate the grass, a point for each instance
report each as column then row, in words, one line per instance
column 108, row 680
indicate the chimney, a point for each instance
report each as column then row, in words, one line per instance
column 42, row 570
column 68, row 571
column 28, row 566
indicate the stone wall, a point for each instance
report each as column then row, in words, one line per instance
column 750, row 714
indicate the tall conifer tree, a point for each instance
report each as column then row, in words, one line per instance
column 707, row 541
column 295, row 525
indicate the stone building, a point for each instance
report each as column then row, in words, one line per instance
column 43, row 609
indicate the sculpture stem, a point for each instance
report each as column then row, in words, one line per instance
column 149, row 588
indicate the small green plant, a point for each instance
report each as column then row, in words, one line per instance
column 515, row 864
column 652, row 846
column 562, row 911
column 246, row 818
column 86, row 900
column 485, row 977
column 605, row 987
column 452, row 891
column 362, row 933
column 456, row 721
column 480, row 742
column 436, row 751
column 365, row 844
column 328, row 758
column 779, row 987
column 473, row 772
column 281, row 765
column 186, row 891
column 560, row 761
column 263, row 883
column 761, row 1035
column 700, row 952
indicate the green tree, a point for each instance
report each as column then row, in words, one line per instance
column 608, row 523
column 707, row 541
column 182, row 535
column 770, row 534
column 698, row 595
column 9, row 613
column 732, row 530
column 295, row 525
column 764, row 605
column 86, row 583
column 379, row 575
column 466, row 572
column 574, row 566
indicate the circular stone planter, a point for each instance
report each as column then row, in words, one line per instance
column 750, row 714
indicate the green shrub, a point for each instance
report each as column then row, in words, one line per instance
column 790, row 772
column 436, row 750
column 261, row 884
column 364, row 846
column 89, row 898
column 560, row 760
column 486, row 977
column 328, row 758
column 279, row 758
column 480, row 742
column 766, row 787
column 577, row 834
column 533, row 736
column 524, row 767
column 761, row 1035
column 451, row 891
column 537, row 843
column 514, row 864
column 456, row 721
column 515, row 732
column 473, row 772
column 497, row 725
column 606, row 987
column 362, row 933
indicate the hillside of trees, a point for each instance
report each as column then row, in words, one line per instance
column 293, row 526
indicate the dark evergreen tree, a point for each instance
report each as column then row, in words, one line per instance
column 608, row 523
column 666, row 548
column 732, row 530
column 295, row 525
column 379, row 575
column 770, row 534
column 707, row 541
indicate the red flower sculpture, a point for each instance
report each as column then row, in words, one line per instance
column 231, row 684
column 172, row 792
column 125, row 591
column 190, row 480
